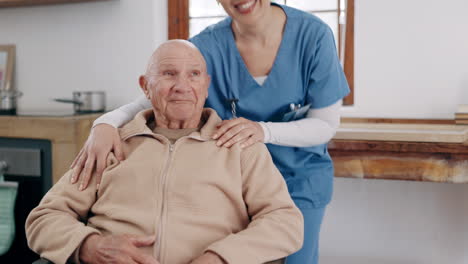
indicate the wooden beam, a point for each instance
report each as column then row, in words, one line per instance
column 349, row 52
column 178, row 19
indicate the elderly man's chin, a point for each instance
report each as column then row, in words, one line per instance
column 181, row 111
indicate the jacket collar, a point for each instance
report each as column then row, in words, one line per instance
column 139, row 125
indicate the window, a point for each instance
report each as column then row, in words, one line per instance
column 189, row 17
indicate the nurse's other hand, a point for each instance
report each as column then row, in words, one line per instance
column 240, row 130
column 103, row 139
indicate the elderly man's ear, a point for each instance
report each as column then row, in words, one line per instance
column 143, row 84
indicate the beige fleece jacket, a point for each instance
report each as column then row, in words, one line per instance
column 193, row 195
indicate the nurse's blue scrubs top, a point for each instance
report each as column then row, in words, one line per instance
column 306, row 71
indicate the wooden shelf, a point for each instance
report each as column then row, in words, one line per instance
column 396, row 160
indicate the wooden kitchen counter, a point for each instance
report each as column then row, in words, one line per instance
column 66, row 133
column 414, row 152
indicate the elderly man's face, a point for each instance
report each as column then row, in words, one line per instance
column 176, row 82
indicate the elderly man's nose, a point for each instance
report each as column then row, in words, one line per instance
column 182, row 84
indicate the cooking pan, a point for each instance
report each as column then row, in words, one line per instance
column 86, row 102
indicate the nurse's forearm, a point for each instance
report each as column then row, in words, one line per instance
column 123, row 114
column 317, row 128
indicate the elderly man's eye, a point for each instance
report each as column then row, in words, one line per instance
column 168, row 73
column 195, row 73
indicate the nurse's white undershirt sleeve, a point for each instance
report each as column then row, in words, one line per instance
column 318, row 127
column 123, row 114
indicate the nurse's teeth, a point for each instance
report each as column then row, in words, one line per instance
column 246, row 5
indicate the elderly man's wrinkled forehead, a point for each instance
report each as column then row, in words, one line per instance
column 175, row 51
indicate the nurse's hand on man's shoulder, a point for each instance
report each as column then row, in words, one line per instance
column 239, row 130
column 102, row 140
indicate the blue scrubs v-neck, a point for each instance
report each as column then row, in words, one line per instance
column 248, row 98
column 243, row 66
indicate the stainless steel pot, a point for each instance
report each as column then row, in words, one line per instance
column 87, row 102
column 8, row 101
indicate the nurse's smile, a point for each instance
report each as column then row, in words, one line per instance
column 245, row 7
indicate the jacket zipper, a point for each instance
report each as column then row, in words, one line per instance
column 160, row 229
column 158, row 246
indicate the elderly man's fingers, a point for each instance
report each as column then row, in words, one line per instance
column 144, row 258
column 141, row 241
column 87, row 172
column 225, row 126
column 118, row 149
column 79, row 167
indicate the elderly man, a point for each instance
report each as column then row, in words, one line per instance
column 177, row 198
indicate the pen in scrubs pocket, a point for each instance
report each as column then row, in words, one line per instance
column 294, row 107
column 233, row 102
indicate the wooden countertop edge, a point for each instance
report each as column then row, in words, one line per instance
column 450, row 180
column 398, row 146
column 402, row 130
column 397, row 121
column 63, row 129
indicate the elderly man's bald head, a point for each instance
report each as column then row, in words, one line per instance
column 176, row 83
column 174, row 48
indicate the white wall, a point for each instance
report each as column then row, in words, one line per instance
column 411, row 58
column 84, row 46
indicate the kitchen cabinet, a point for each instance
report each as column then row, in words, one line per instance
column 67, row 135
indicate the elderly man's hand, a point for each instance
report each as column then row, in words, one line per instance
column 116, row 249
column 240, row 130
column 208, row 258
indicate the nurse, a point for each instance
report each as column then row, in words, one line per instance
column 276, row 78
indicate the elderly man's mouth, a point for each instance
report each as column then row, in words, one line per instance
column 182, row 101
